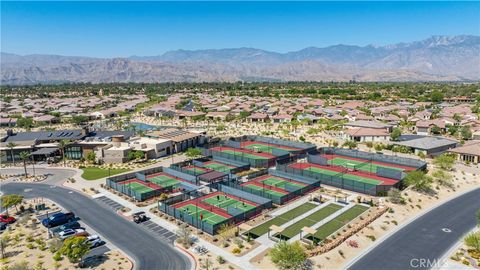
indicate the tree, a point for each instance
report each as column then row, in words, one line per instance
column 206, row 264
column 193, row 153
column 466, row 133
column 395, row 196
column 350, row 144
column 75, row 248
column 478, row 217
column 443, row 178
column 445, row 161
column 396, row 133
column 90, row 157
column 419, row 181
column 184, row 236
column 24, row 155
column 63, row 144
column 79, row 119
column 288, row 255
column 436, row 96
column 226, row 232
column 435, row 130
column 12, row 145
column 138, row 155
column 473, row 240
column 11, row 200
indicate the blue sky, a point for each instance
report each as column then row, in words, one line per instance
column 120, row 29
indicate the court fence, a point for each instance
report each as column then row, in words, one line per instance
column 338, row 181
column 195, row 220
column 115, row 182
column 404, row 161
column 237, row 166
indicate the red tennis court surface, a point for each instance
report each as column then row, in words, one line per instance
column 406, row 168
column 241, row 150
column 303, row 166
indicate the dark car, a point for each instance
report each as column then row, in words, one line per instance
column 58, row 219
column 7, row 219
column 3, row 226
column 71, row 225
column 139, row 217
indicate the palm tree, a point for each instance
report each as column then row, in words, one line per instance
column 24, row 155
column 63, row 144
column 11, row 145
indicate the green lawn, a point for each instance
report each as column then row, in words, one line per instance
column 94, row 173
column 332, row 226
column 279, row 220
column 311, row 220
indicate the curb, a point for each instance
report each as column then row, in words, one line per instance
column 384, row 237
column 189, row 254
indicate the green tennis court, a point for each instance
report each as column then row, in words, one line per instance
column 266, row 190
column 281, row 183
column 164, row 181
column 197, row 211
column 222, row 201
column 281, row 219
column 308, row 221
column 218, row 167
column 243, row 154
column 137, row 187
column 334, row 225
column 195, row 170
column 265, row 148
column 345, row 176
column 360, row 165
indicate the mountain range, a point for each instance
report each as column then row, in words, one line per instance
column 438, row 58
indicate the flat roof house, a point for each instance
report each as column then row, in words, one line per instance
column 181, row 139
column 430, row 146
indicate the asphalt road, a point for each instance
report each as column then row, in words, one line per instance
column 138, row 243
column 422, row 243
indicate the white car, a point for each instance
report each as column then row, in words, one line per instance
column 94, row 241
column 72, row 232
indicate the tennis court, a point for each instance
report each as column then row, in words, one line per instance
column 244, row 153
column 279, row 182
column 364, row 164
column 218, row 166
column 281, row 219
column 195, row 170
column 137, row 186
column 266, row 147
column 360, row 177
column 308, row 221
column 265, row 189
column 164, row 180
column 202, row 214
column 337, row 223
column 224, row 201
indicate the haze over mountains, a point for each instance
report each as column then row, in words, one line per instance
column 439, row 58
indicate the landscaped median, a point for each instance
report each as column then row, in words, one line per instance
column 94, row 173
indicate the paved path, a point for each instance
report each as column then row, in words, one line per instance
column 425, row 239
column 140, row 244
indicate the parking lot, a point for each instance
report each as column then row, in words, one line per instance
column 159, row 231
column 110, row 203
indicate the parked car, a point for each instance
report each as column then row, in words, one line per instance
column 95, row 241
column 3, row 226
column 139, row 217
column 88, row 261
column 7, row 219
column 70, row 225
column 58, row 219
column 72, row 232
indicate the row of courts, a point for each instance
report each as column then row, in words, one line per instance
column 277, row 186
column 209, row 212
column 150, row 183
